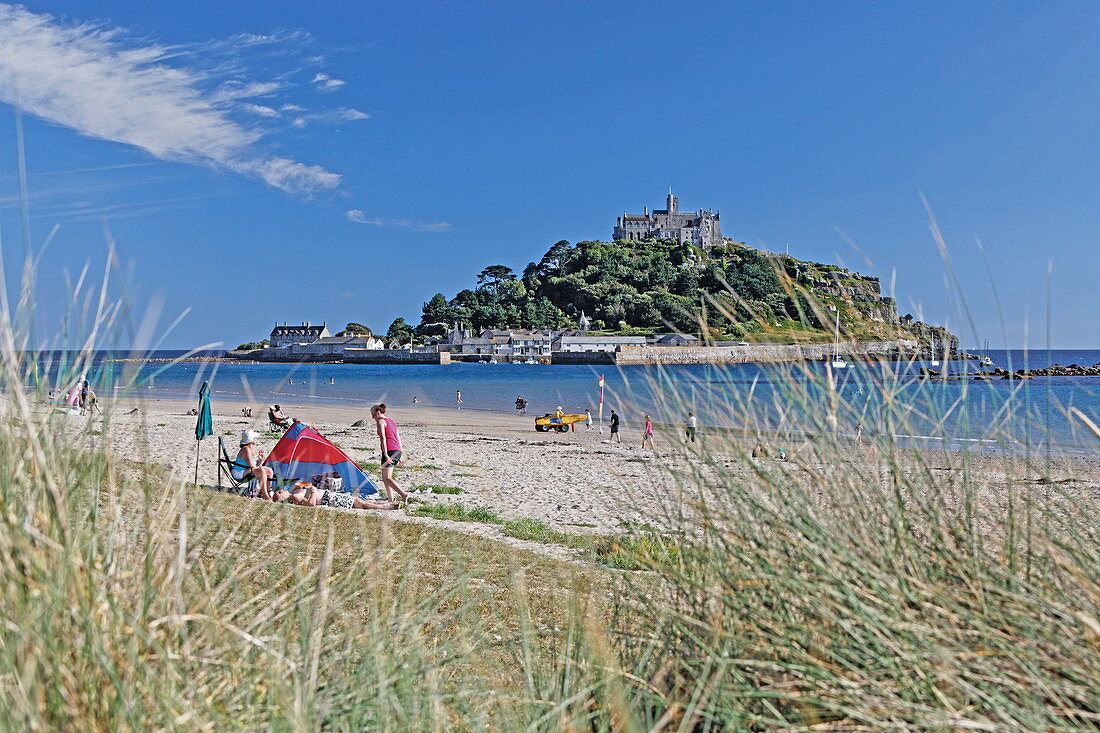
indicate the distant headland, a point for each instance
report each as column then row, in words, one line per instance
column 668, row 288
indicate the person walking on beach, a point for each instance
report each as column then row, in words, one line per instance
column 647, row 433
column 587, row 419
column 615, row 428
column 390, row 442
column 458, row 398
column 689, row 425
column 859, row 433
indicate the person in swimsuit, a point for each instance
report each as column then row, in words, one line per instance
column 276, row 417
column 303, row 493
column 390, row 443
column 249, row 462
column 647, row 434
column 615, row 427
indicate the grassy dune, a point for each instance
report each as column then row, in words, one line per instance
column 841, row 589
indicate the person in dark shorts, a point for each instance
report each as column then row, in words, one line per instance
column 615, row 427
column 390, row 442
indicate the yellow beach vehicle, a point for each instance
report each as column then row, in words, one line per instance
column 549, row 422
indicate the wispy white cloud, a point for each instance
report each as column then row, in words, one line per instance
column 330, row 117
column 260, row 109
column 360, row 217
column 326, row 83
column 97, row 81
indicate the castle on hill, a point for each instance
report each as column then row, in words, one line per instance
column 700, row 228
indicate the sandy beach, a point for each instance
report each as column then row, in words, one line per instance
column 575, row 481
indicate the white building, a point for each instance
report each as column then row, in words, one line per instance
column 596, row 343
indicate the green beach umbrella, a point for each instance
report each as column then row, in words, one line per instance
column 205, row 424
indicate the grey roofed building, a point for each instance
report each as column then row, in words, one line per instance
column 304, row 333
column 701, row 228
column 337, row 344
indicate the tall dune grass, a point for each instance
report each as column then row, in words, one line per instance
column 853, row 587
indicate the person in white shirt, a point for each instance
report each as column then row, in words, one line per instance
column 690, row 424
column 588, row 418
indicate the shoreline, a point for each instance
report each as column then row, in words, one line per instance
column 309, row 404
column 574, row 482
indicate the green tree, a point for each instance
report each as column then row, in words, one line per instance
column 437, row 310
column 400, row 330
column 356, row 329
column 493, row 275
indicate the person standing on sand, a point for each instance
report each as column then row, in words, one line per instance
column 647, row 434
column 587, row 418
column 390, row 442
column 859, row 433
column 615, row 428
column 458, row 398
column 690, row 424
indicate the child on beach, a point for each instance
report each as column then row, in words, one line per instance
column 390, row 442
column 587, row 418
column 647, row 434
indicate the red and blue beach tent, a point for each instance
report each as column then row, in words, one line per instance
column 303, row 453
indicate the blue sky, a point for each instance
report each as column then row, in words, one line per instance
column 221, row 147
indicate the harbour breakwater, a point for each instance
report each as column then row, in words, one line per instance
column 347, row 356
column 1054, row 370
column 858, row 351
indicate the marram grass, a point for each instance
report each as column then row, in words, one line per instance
column 848, row 587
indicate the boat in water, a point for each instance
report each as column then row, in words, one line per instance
column 838, row 363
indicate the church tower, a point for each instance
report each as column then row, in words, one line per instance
column 672, row 203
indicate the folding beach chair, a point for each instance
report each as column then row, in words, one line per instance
column 245, row 487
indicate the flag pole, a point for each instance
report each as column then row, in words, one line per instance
column 601, row 404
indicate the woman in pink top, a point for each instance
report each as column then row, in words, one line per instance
column 647, row 436
column 390, row 442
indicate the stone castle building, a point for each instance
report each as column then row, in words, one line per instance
column 700, row 228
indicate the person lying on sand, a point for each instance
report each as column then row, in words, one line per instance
column 303, row 493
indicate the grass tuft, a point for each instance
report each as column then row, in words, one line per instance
column 437, row 489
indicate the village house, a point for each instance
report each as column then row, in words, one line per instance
column 305, row 333
column 596, row 343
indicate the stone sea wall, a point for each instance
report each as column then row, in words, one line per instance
column 739, row 354
column 395, row 356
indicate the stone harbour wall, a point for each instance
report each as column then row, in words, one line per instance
column 395, row 356
column 739, row 354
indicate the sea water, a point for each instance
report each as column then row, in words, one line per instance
column 783, row 397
